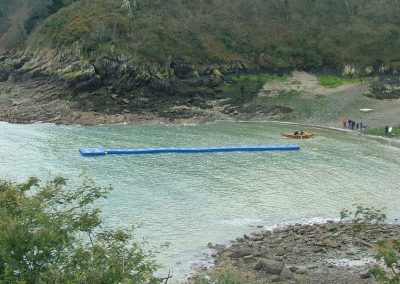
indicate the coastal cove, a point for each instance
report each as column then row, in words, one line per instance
column 200, row 141
column 190, row 200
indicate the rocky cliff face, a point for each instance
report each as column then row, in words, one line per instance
column 117, row 85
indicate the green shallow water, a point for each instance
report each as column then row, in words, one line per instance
column 192, row 199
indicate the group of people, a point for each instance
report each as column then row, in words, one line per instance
column 352, row 124
column 355, row 125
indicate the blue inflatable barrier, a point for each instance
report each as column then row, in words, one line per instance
column 104, row 151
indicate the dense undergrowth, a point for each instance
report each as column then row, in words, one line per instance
column 271, row 33
column 6, row 8
column 50, row 233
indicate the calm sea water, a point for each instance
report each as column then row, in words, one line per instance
column 192, row 199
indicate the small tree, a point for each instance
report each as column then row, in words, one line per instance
column 363, row 216
column 51, row 234
column 389, row 252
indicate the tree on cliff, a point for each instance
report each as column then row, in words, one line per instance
column 51, row 234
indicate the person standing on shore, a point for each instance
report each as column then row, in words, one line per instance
column 344, row 122
column 390, row 131
column 386, row 130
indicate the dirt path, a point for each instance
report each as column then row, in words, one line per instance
column 318, row 105
column 302, row 82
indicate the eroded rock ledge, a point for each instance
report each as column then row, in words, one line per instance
column 53, row 87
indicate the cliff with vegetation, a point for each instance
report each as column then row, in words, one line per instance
column 267, row 33
column 133, row 55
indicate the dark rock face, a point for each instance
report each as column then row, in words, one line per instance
column 116, row 85
column 388, row 88
column 8, row 64
column 181, row 70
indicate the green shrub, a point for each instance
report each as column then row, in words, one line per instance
column 226, row 274
column 334, row 82
column 199, row 279
column 259, row 79
column 363, row 215
column 230, row 275
column 389, row 252
column 330, row 81
column 52, row 234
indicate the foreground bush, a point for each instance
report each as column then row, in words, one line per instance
column 227, row 274
column 388, row 251
column 52, row 234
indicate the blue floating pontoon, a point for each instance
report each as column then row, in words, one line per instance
column 104, row 151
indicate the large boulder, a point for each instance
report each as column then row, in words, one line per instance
column 240, row 251
column 8, row 64
column 270, row 266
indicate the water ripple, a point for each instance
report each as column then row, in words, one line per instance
column 190, row 200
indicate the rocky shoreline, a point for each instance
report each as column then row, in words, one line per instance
column 112, row 91
column 332, row 252
column 55, row 88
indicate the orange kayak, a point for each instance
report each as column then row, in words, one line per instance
column 305, row 135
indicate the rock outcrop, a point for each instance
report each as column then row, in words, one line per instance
column 117, row 85
column 319, row 253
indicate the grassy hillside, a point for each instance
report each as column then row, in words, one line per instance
column 8, row 10
column 18, row 18
column 272, row 33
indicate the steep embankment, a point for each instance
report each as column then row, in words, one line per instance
column 272, row 34
column 13, row 33
column 133, row 59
